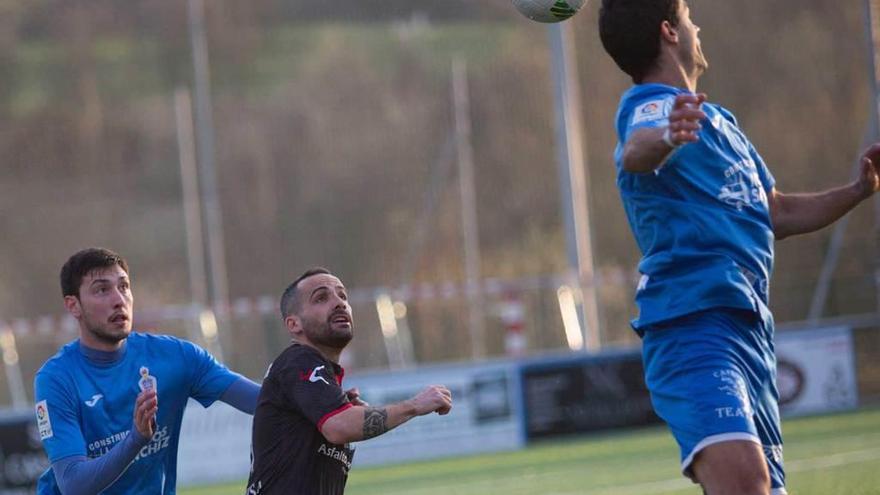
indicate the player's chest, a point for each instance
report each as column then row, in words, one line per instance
column 107, row 397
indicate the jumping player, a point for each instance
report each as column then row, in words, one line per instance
column 705, row 212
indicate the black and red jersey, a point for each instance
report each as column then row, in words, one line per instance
column 290, row 456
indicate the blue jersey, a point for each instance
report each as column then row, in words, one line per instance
column 702, row 220
column 84, row 408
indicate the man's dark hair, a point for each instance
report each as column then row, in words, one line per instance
column 290, row 302
column 630, row 32
column 84, row 262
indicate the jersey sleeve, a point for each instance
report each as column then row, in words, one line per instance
column 640, row 113
column 310, row 386
column 58, row 417
column 208, row 378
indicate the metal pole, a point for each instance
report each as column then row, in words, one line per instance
column 207, row 169
column 195, row 248
column 873, row 27
column 823, row 285
column 192, row 213
column 470, row 231
column 573, row 178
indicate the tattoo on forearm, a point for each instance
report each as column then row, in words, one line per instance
column 375, row 422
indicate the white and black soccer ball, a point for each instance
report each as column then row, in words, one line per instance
column 548, row 10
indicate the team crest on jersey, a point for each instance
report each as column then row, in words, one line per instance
column 146, row 382
column 43, row 422
column 650, row 111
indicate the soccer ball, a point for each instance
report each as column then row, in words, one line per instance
column 548, row 10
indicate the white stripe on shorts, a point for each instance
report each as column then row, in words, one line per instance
column 710, row 440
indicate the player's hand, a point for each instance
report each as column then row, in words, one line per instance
column 354, row 396
column 685, row 117
column 869, row 173
column 435, row 398
column 145, row 408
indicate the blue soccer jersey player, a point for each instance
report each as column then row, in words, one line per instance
column 109, row 405
column 705, row 213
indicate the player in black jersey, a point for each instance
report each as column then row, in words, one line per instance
column 304, row 421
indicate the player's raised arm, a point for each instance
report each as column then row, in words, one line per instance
column 362, row 423
column 800, row 213
column 647, row 149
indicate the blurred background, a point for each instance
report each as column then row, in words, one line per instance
column 450, row 161
column 411, row 147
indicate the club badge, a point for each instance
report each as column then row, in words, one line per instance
column 146, row 382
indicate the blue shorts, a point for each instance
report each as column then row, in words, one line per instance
column 712, row 378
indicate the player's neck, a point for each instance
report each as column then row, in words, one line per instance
column 100, row 357
column 86, row 339
column 331, row 354
column 674, row 78
column 671, row 71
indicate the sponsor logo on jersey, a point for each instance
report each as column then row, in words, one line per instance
column 342, row 455
column 94, row 400
column 742, row 186
column 160, row 441
column 99, row 447
column 43, row 422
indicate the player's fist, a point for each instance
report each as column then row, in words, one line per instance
column 869, row 173
column 684, row 119
column 354, row 396
column 435, row 398
column 145, row 408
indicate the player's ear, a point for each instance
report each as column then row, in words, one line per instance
column 73, row 306
column 293, row 324
column 668, row 32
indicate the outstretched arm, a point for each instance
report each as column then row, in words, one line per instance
column 647, row 149
column 794, row 214
column 363, row 422
column 79, row 475
column 242, row 395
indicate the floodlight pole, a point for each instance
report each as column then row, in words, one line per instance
column 470, row 230
column 823, row 285
column 192, row 214
column 204, row 124
column 873, row 32
column 573, row 178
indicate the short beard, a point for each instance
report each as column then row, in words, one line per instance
column 104, row 335
column 321, row 333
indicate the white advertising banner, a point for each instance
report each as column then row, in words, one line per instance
column 486, row 417
column 486, row 413
column 816, row 371
column 215, row 445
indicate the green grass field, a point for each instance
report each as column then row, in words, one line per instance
column 825, row 455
